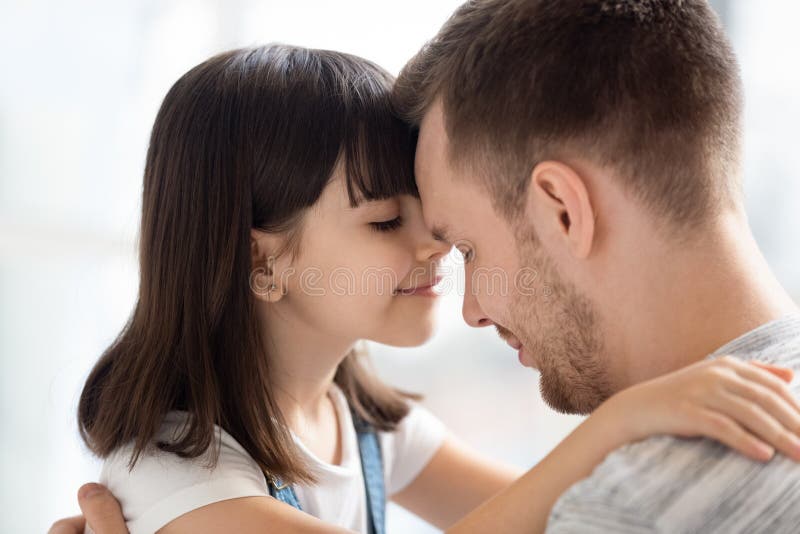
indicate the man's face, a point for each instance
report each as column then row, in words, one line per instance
column 511, row 282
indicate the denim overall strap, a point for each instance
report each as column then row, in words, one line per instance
column 372, row 467
column 283, row 492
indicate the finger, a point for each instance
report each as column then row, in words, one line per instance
column 754, row 419
column 766, row 379
column 725, row 430
column 784, row 373
column 101, row 509
column 770, row 402
column 68, row 525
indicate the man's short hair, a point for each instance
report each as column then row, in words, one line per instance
column 648, row 87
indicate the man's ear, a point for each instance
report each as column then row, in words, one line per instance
column 266, row 272
column 558, row 200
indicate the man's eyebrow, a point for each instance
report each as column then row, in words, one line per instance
column 441, row 233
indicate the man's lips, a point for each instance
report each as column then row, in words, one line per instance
column 523, row 356
column 512, row 341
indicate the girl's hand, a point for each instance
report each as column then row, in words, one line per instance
column 745, row 405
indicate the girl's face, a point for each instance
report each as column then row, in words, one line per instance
column 363, row 273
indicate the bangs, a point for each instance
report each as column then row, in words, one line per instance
column 377, row 146
column 379, row 159
column 327, row 108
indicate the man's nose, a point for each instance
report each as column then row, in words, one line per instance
column 471, row 308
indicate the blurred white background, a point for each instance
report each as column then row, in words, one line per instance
column 81, row 84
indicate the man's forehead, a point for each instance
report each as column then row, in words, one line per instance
column 442, row 196
column 430, row 145
column 428, row 164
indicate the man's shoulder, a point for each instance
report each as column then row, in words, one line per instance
column 693, row 485
column 668, row 484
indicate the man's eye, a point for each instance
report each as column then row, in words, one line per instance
column 466, row 252
column 387, row 226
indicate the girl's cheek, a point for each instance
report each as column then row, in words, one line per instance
column 382, row 278
column 400, row 263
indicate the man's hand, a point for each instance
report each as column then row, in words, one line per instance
column 100, row 509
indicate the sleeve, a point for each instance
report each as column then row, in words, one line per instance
column 576, row 512
column 609, row 500
column 408, row 449
column 162, row 486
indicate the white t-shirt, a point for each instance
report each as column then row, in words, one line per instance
column 163, row 486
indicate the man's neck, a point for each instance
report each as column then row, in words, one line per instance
column 698, row 298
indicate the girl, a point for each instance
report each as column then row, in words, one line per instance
column 280, row 225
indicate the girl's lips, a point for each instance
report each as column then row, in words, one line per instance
column 424, row 290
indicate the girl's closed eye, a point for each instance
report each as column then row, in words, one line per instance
column 387, row 226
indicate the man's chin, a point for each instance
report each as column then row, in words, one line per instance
column 574, row 400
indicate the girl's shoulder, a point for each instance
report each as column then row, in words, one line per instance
column 162, row 486
column 408, row 449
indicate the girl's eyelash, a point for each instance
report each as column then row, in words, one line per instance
column 387, row 226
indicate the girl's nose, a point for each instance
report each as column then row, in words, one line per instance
column 428, row 247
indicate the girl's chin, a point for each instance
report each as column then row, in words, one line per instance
column 409, row 335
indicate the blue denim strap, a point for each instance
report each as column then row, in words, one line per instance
column 371, row 465
column 283, row 492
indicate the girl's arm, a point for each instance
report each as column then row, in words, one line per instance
column 456, row 481
column 249, row 515
column 733, row 402
column 245, row 515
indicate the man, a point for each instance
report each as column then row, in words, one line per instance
column 597, row 144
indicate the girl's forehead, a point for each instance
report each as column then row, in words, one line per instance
column 336, row 196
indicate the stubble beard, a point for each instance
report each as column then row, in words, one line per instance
column 560, row 328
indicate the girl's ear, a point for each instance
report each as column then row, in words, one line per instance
column 266, row 278
column 560, row 202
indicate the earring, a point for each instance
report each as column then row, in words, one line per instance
column 260, row 281
column 272, row 287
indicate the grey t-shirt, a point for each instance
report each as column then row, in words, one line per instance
column 667, row 484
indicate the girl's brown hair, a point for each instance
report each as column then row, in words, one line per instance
column 247, row 139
